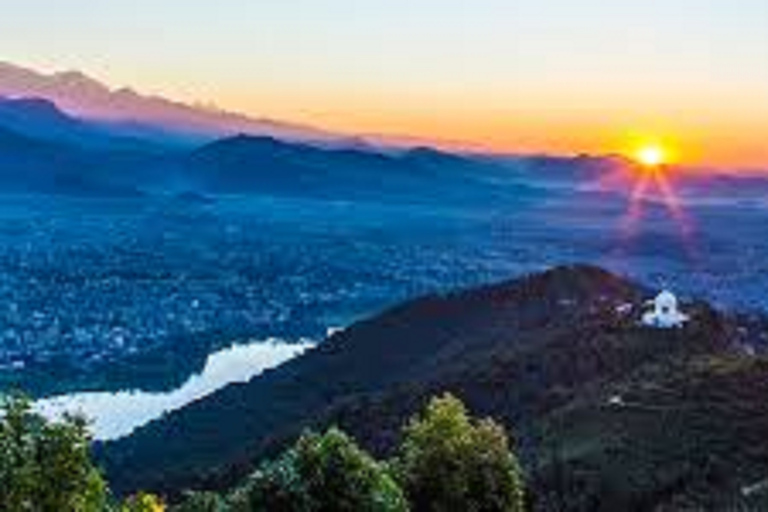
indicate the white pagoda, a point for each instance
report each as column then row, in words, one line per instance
column 666, row 312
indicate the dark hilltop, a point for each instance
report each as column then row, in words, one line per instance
column 609, row 414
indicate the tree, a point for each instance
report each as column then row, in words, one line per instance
column 321, row 473
column 202, row 502
column 46, row 466
column 448, row 462
column 143, row 502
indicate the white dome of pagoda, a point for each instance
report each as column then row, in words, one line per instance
column 666, row 312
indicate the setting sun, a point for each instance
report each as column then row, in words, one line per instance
column 652, row 156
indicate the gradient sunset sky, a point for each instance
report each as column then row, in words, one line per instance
column 563, row 76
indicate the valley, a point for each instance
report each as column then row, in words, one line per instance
column 112, row 294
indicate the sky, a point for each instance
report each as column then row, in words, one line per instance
column 556, row 76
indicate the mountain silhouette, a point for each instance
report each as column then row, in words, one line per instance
column 46, row 146
column 29, row 165
column 244, row 164
column 42, row 119
column 139, row 115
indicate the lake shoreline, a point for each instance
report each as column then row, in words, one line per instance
column 113, row 415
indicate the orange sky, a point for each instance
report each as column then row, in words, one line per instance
column 566, row 76
column 698, row 134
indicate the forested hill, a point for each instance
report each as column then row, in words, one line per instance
column 604, row 409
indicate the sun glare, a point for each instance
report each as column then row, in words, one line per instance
column 652, row 179
column 652, row 156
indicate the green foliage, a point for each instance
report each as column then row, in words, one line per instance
column 321, row 473
column 448, row 462
column 143, row 502
column 202, row 502
column 46, row 466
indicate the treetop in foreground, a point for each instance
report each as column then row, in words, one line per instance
column 450, row 462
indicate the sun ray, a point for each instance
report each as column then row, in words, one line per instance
column 653, row 183
column 634, row 212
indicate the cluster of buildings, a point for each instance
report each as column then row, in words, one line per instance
column 97, row 320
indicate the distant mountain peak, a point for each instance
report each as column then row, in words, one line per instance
column 7, row 67
column 83, row 96
column 127, row 91
column 77, row 78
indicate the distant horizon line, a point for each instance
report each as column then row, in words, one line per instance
column 382, row 139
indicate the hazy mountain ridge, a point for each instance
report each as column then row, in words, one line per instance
column 246, row 164
column 30, row 165
column 146, row 138
column 42, row 119
column 80, row 95
column 243, row 164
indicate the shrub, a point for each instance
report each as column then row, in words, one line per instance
column 202, row 502
column 448, row 462
column 321, row 473
column 46, row 466
column 143, row 502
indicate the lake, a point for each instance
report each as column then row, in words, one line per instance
column 115, row 415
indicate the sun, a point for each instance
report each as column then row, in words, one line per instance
column 652, row 156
